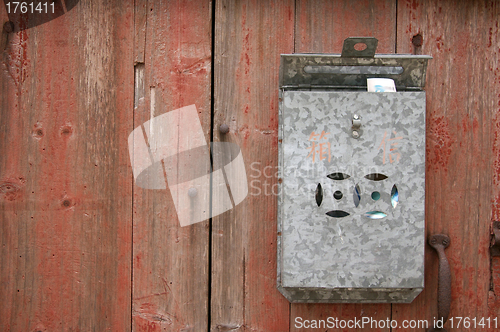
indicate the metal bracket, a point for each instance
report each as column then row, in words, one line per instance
column 440, row 242
column 356, row 125
column 495, row 246
column 349, row 50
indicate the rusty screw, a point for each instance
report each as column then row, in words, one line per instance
column 417, row 40
column 224, row 128
column 8, row 27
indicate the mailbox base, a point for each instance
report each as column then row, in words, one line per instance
column 349, row 295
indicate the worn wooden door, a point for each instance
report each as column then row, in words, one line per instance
column 83, row 248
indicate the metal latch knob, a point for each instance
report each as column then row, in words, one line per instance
column 356, row 125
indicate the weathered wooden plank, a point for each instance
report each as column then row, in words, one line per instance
column 140, row 24
column 494, row 106
column 345, row 317
column 65, row 179
column 249, row 37
column 170, row 262
column 321, row 27
column 462, row 105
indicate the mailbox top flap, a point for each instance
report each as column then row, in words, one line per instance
column 352, row 68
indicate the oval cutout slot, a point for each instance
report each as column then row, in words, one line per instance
column 338, row 176
column 360, row 47
column 319, row 194
column 337, row 214
column 376, row 177
column 394, row 196
column 375, row 215
column 356, row 195
column 355, row 70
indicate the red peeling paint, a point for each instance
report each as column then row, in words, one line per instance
column 439, row 143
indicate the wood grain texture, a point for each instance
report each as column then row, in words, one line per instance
column 322, row 27
column 249, row 38
column 65, row 179
column 462, row 125
column 494, row 107
column 82, row 248
column 140, row 26
column 170, row 263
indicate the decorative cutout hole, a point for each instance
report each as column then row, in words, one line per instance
column 360, row 46
column 394, row 196
column 338, row 176
column 356, row 195
column 375, row 215
column 375, row 195
column 376, row 177
column 319, row 194
column 338, row 195
column 337, row 214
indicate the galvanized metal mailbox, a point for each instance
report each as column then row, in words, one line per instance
column 351, row 200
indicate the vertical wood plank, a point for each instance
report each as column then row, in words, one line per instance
column 65, row 179
column 322, row 27
column 140, row 25
column 493, row 105
column 170, row 262
column 462, row 123
column 249, row 38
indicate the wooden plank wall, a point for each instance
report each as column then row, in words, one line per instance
column 83, row 248
column 249, row 38
column 66, row 91
column 463, row 97
column 170, row 269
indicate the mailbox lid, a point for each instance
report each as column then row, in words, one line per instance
column 336, row 71
column 358, row 251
